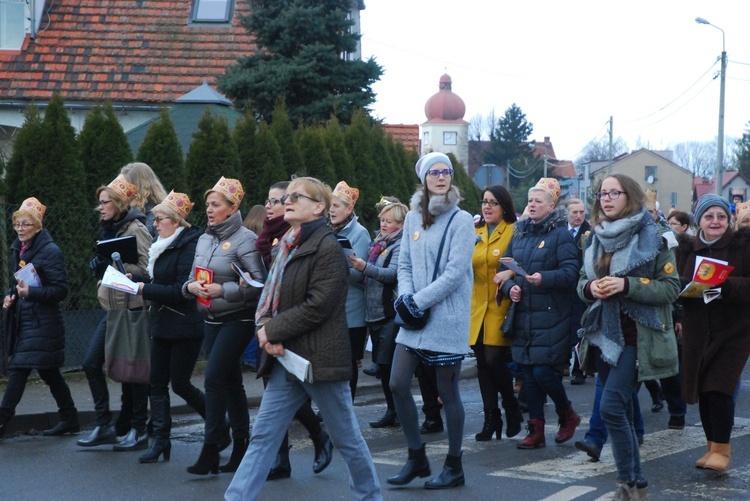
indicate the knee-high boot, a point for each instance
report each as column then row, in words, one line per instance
column 162, row 420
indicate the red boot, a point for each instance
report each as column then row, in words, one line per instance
column 535, row 438
column 568, row 422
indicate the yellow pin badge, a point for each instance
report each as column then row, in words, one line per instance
column 669, row 268
column 415, row 236
column 496, row 252
column 226, row 245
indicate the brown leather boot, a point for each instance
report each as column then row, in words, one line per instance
column 569, row 420
column 535, row 438
column 701, row 463
column 719, row 458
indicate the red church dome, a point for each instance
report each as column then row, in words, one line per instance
column 445, row 105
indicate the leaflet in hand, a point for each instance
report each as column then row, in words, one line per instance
column 297, row 366
column 29, row 275
column 708, row 274
column 116, row 280
column 511, row 263
column 246, row 276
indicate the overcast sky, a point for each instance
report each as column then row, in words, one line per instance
column 569, row 65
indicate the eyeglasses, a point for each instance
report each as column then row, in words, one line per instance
column 434, row 174
column 159, row 219
column 613, row 195
column 18, row 226
column 296, row 196
column 491, row 203
column 272, row 201
column 102, row 203
column 721, row 216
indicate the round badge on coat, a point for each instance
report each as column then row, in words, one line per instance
column 496, row 252
column 226, row 245
column 415, row 236
column 541, row 245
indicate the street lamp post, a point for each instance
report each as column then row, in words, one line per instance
column 720, row 145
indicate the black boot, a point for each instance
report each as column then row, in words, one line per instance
column 513, row 419
column 451, row 476
column 99, row 436
column 281, row 467
column 63, row 428
column 323, row 451
column 208, row 461
column 162, row 424
column 493, row 425
column 416, row 466
column 238, row 452
column 388, row 419
column 135, row 440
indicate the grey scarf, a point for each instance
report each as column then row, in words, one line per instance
column 634, row 243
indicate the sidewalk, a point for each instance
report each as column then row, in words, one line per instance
column 37, row 410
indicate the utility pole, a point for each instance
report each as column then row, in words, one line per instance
column 611, row 145
column 720, row 146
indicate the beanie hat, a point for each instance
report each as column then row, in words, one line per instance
column 425, row 162
column 707, row 201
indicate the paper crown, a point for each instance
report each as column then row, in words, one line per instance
column 550, row 186
column 738, row 191
column 651, row 200
column 34, row 208
column 230, row 188
column 125, row 190
column 742, row 210
column 179, row 203
column 346, row 193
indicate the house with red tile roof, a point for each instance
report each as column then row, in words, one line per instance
column 734, row 184
column 408, row 135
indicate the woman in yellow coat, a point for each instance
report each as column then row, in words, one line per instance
column 491, row 347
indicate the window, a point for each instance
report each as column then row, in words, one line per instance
column 450, row 138
column 12, row 31
column 650, row 174
column 211, row 11
column 673, row 200
column 426, row 138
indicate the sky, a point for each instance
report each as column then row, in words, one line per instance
column 569, row 65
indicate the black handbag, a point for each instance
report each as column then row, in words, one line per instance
column 507, row 326
column 404, row 319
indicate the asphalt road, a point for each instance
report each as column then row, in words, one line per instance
column 42, row 468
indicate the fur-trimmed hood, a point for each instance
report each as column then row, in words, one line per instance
column 556, row 218
column 438, row 204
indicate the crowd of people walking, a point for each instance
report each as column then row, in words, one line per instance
column 534, row 296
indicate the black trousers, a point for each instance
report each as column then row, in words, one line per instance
column 17, row 379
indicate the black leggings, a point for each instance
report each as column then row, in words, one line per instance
column 494, row 376
column 717, row 416
column 402, row 372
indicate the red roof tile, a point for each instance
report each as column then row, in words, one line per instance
column 408, row 135
column 122, row 51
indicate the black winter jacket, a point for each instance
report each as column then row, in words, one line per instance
column 37, row 337
column 173, row 316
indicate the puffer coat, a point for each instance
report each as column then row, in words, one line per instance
column 37, row 337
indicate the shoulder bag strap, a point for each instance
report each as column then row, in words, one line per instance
column 442, row 244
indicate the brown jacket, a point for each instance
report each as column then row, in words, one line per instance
column 716, row 336
column 311, row 316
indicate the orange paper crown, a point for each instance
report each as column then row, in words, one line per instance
column 123, row 188
column 179, row 203
column 230, row 188
column 742, row 210
column 346, row 193
column 550, row 186
column 34, row 208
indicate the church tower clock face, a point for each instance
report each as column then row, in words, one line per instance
column 450, row 138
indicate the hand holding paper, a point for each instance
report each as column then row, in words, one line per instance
column 708, row 274
column 118, row 281
column 512, row 264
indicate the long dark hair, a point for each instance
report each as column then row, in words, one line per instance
column 502, row 195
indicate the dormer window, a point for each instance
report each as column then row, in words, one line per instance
column 211, row 11
column 12, row 22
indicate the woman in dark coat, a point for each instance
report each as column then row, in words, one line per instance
column 175, row 324
column 37, row 334
column 716, row 336
column 541, row 327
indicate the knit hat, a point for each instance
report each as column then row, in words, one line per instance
column 550, row 186
column 179, row 203
column 230, row 188
column 425, row 162
column 33, row 208
column 743, row 211
column 707, row 201
column 124, row 189
column 346, row 193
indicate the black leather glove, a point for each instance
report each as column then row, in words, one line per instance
column 98, row 266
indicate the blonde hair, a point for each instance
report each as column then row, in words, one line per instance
column 149, row 187
column 316, row 188
column 171, row 214
column 121, row 206
column 21, row 212
column 398, row 210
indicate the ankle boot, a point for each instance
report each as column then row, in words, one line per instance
column 135, row 440
column 63, row 428
column 493, row 425
column 569, row 420
column 388, row 419
column 451, row 476
column 99, row 436
column 416, row 466
column 701, row 463
column 323, row 451
column 535, row 438
column 159, row 446
column 238, row 452
column 719, row 458
column 208, row 461
column 513, row 418
column 281, row 467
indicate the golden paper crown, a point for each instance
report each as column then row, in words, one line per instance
column 550, row 186
column 123, row 189
column 34, row 208
column 650, row 199
column 346, row 193
column 230, row 188
column 742, row 210
column 179, row 203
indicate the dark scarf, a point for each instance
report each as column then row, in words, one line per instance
column 110, row 229
column 634, row 243
column 273, row 230
column 340, row 226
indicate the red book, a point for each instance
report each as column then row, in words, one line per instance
column 207, row 277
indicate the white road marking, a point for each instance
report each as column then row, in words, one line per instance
column 570, row 493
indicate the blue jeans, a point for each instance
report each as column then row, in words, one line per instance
column 618, row 386
column 541, row 380
column 597, row 432
column 281, row 400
